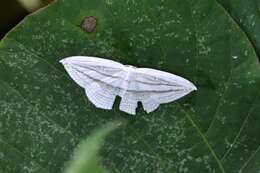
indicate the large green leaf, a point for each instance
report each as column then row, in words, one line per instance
column 247, row 15
column 44, row 114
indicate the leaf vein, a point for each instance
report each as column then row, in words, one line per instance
column 22, row 154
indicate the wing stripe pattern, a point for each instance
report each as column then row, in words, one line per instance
column 104, row 79
column 108, row 80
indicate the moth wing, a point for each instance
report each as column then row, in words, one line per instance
column 104, row 79
column 92, row 61
column 100, row 78
column 159, row 87
column 152, row 88
column 162, row 78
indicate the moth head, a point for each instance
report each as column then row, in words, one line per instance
column 130, row 68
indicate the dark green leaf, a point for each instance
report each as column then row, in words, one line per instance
column 247, row 15
column 44, row 114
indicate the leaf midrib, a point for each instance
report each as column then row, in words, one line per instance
column 204, row 139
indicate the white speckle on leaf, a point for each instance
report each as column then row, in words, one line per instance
column 1, row 155
column 63, row 22
column 109, row 2
column 203, row 48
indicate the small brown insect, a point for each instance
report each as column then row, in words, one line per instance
column 89, row 24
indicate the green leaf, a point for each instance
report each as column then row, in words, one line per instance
column 247, row 15
column 44, row 114
column 85, row 158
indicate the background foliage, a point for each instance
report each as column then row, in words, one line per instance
column 11, row 12
column 85, row 158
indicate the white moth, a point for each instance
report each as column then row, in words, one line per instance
column 105, row 79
